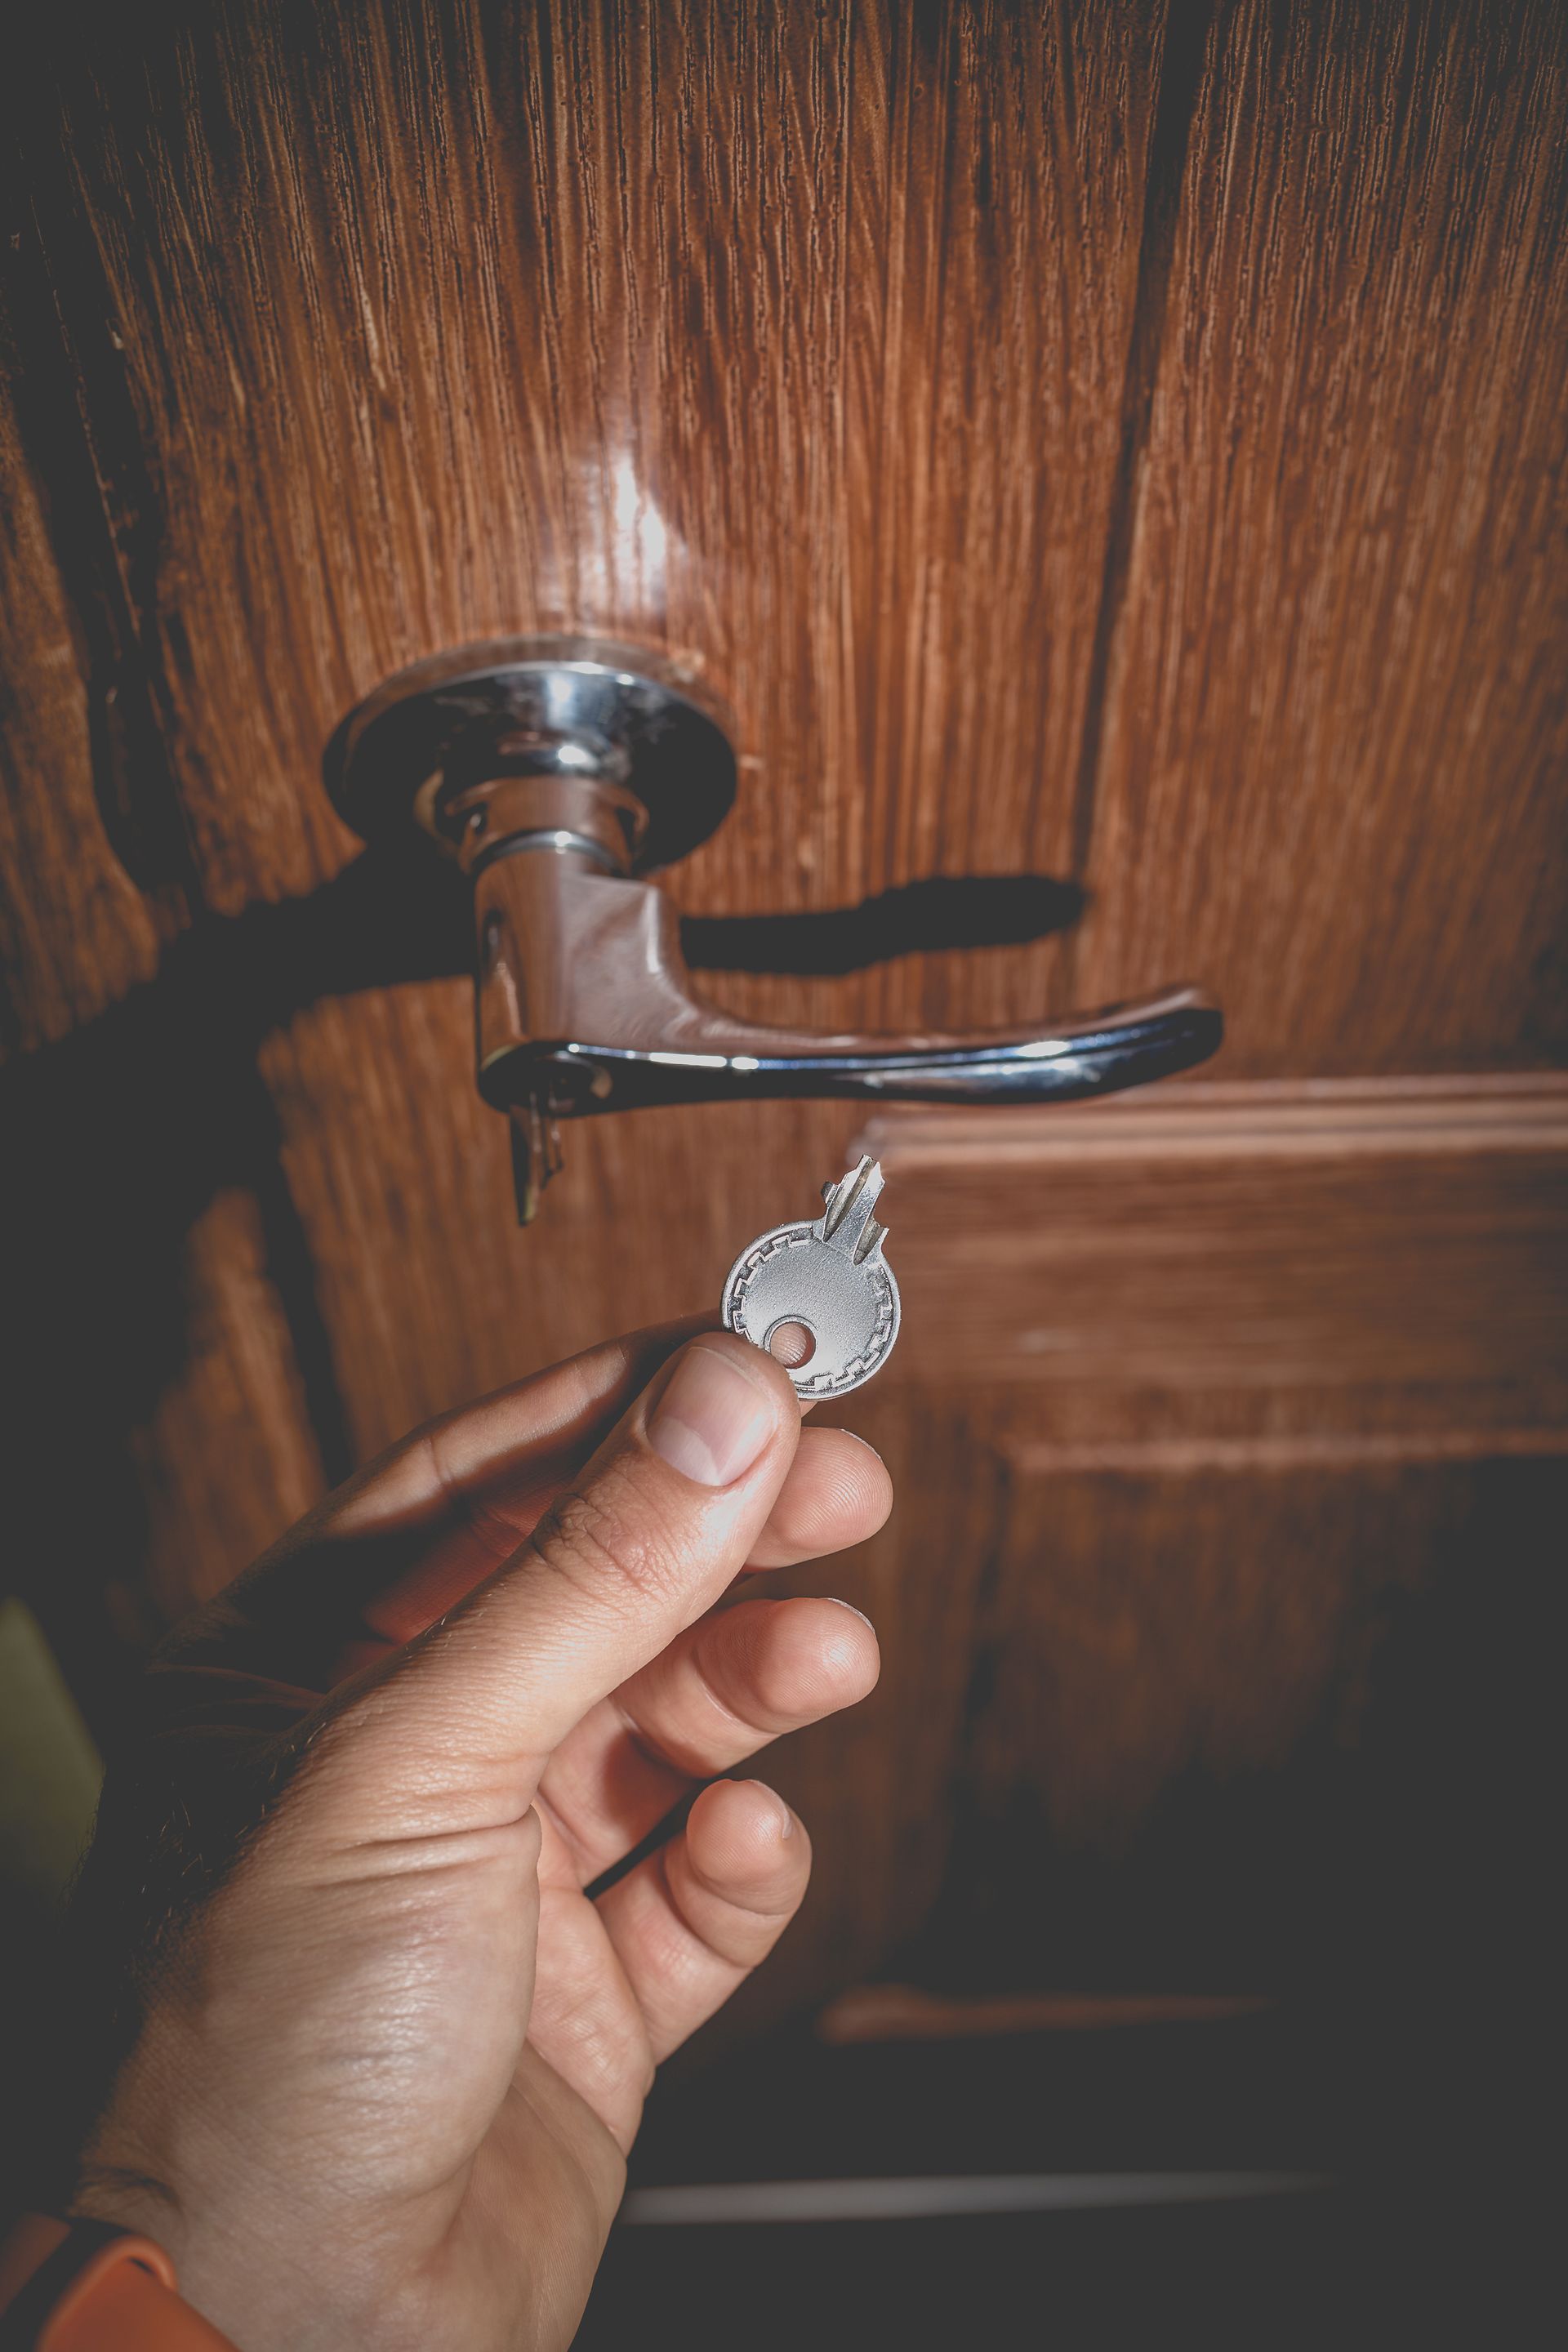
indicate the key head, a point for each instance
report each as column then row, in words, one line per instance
column 831, row 1278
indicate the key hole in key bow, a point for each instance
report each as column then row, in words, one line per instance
column 792, row 1345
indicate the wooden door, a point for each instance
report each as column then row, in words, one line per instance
column 1111, row 458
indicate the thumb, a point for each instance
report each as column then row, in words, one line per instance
column 454, row 1731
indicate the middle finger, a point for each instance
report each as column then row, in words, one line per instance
column 723, row 1688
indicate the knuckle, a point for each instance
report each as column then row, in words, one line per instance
column 787, row 1684
column 611, row 1538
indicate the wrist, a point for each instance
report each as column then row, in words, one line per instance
column 264, row 2277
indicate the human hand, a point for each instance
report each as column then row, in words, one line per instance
column 383, row 2057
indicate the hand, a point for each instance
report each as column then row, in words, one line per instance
column 381, row 2058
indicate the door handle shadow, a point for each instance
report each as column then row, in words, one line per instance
column 118, row 1136
column 380, row 922
column 945, row 911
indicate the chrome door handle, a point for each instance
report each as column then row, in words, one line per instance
column 556, row 771
column 583, row 972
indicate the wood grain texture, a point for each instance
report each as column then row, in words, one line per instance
column 228, row 1457
column 159, row 1432
column 429, row 1290
column 867, row 359
column 172, row 1404
column 1118, row 442
column 760, row 336
column 891, row 2013
column 1349, row 1237
column 1335, row 734
column 879, row 1780
column 75, row 934
column 1208, row 1620
column 1246, row 1723
column 1286, row 1396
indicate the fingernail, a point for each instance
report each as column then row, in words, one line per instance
column 786, row 1819
column 853, row 1611
column 713, row 1421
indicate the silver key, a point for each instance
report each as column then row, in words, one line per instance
column 829, row 1276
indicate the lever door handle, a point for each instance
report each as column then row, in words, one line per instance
column 582, row 979
column 556, row 771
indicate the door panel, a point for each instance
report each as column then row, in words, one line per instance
column 698, row 327
column 1097, row 445
column 1343, row 1238
column 1342, row 598
column 1231, row 1425
column 1254, row 1722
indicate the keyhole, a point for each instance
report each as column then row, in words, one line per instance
column 792, row 1346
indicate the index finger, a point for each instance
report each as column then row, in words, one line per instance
column 454, row 1733
column 426, row 1521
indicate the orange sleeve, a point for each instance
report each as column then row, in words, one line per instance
column 82, row 2289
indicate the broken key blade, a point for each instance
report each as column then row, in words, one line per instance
column 535, row 1153
column 847, row 1223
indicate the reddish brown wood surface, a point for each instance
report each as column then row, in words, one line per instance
column 1403, row 1236
column 891, row 2013
column 760, row 336
column 1244, row 1722
column 75, row 933
column 1195, row 522
column 227, row 1455
column 1113, row 444
column 1334, row 730
column 1167, row 1595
